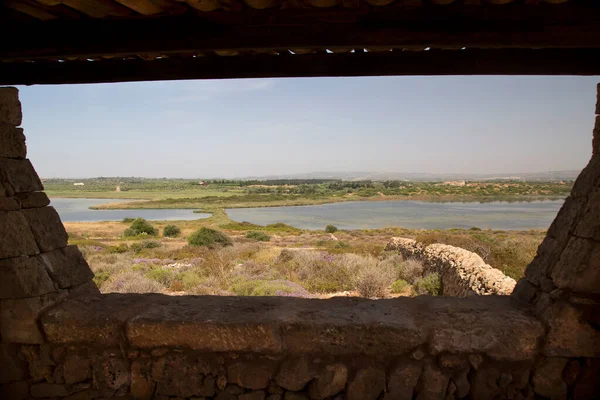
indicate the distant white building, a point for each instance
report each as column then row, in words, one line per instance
column 78, row 184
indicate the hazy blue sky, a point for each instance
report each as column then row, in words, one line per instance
column 235, row 128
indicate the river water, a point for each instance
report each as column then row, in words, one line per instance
column 348, row 215
column 77, row 210
column 407, row 214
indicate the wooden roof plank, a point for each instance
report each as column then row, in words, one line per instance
column 99, row 8
column 144, row 7
column 473, row 62
column 577, row 28
column 34, row 9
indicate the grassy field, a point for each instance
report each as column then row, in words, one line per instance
column 293, row 262
column 190, row 194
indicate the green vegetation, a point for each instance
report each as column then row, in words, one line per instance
column 430, row 284
column 121, row 248
column 140, row 226
column 171, row 231
column 257, row 235
column 208, row 237
column 331, row 229
column 221, row 194
column 400, row 286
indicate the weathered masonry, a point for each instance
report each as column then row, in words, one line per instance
column 61, row 339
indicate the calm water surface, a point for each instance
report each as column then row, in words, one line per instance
column 77, row 210
column 407, row 214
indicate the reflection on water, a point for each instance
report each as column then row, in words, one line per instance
column 407, row 214
column 77, row 210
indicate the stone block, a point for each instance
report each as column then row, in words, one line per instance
column 588, row 384
column 93, row 319
column 204, row 324
column 86, row 289
column 16, row 238
column 111, row 375
column 547, row 378
column 331, row 381
column 588, row 223
column 77, row 367
column 548, row 254
column 588, row 179
column 183, row 376
column 579, row 267
column 32, row 199
column 18, row 176
column 525, row 292
column 67, row 267
column 19, row 317
column 18, row 390
column 42, row 390
column 13, row 367
column 460, row 328
column 41, row 364
column 295, row 373
column 347, row 326
column 402, row 380
column 250, row 375
column 9, row 204
column 569, row 334
column 256, row 395
column 367, row 384
column 142, row 385
column 48, row 230
column 12, row 142
column 432, row 384
column 10, row 106
column 23, row 277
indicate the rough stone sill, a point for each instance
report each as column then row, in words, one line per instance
column 492, row 325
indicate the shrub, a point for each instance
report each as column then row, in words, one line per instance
column 121, row 248
column 342, row 244
column 101, row 277
column 258, row 287
column 136, row 247
column 176, row 286
column 150, row 244
column 128, row 220
column 161, row 275
column 331, row 229
column 140, row 226
column 429, row 284
column 208, row 237
column 257, row 235
column 374, row 280
column 399, row 286
column 411, row 270
column 131, row 282
column 171, row 231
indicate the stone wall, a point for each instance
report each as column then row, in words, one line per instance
column 61, row 339
column 562, row 283
column 37, row 268
column 462, row 272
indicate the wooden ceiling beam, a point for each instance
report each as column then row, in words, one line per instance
column 436, row 28
column 434, row 62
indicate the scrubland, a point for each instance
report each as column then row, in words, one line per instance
column 219, row 257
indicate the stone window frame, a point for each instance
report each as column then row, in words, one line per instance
column 545, row 332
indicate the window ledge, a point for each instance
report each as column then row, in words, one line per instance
column 492, row 325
